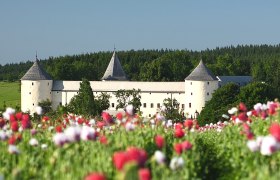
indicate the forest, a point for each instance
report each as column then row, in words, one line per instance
column 260, row 61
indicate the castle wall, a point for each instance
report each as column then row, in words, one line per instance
column 33, row 92
column 197, row 94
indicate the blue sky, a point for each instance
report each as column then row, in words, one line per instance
column 61, row 27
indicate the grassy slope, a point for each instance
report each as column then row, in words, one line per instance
column 10, row 94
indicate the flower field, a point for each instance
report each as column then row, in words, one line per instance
column 246, row 145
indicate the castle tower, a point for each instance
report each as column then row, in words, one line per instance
column 114, row 71
column 36, row 86
column 199, row 86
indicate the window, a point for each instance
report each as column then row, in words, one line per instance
column 113, row 105
column 191, row 93
column 191, row 83
column 149, row 115
column 57, row 92
column 208, row 83
column 33, row 104
column 183, row 106
column 32, row 83
column 158, row 105
column 29, row 92
column 60, row 103
column 152, row 105
column 50, row 92
column 48, row 84
column 144, row 105
column 190, row 105
column 208, row 94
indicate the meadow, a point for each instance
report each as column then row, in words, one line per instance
column 9, row 94
column 67, row 146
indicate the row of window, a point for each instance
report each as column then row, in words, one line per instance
column 207, row 83
column 207, row 94
column 151, row 105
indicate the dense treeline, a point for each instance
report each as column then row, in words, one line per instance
column 260, row 61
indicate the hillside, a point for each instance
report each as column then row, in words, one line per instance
column 260, row 61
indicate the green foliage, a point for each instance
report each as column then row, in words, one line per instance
column 83, row 103
column 222, row 100
column 172, row 110
column 126, row 97
column 9, row 95
column 46, row 105
column 102, row 102
column 256, row 92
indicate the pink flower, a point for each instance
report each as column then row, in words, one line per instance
column 119, row 116
column 107, row 117
column 144, row 174
column 2, row 122
column 186, row 145
column 14, row 126
column 120, row 159
column 242, row 107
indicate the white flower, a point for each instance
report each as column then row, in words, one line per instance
column 39, row 110
column 92, row 122
column 258, row 107
column 129, row 109
column 129, row 126
column 13, row 149
column 264, row 107
column 159, row 157
column 253, row 145
column 225, row 116
column 44, row 146
column 87, row 133
column 10, row 110
column 232, row 110
column 176, row 162
column 20, row 129
column 59, row 139
column 50, row 128
column 169, row 123
column 249, row 113
column 269, row 145
column 160, row 117
column 39, row 125
column 152, row 121
column 3, row 136
column 33, row 142
column 163, row 109
column 73, row 133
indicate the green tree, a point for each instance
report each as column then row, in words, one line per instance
column 83, row 103
column 256, row 92
column 172, row 110
column 102, row 102
column 126, row 97
column 222, row 100
column 46, row 105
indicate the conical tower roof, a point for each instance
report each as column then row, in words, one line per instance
column 114, row 71
column 36, row 72
column 201, row 73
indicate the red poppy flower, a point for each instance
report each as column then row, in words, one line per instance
column 242, row 107
column 12, row 140
column 144, row 174
column 119, row 159
column 188, row 123
column 12, row 118
column 26, row 124
column 243, row 117
column 119, row 116
column 159, row 140
column 95, row 176
column 58, row 129
column 138, row 155
column 2, row 122
column 103, row 140
column 14, row 126
column 179, row 133
column 107, row 117
column 178, row 148
column 275, row 131
column 19, row 115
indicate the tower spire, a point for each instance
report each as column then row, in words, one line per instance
column 36, row 56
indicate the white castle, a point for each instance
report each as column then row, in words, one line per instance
column 192, row 94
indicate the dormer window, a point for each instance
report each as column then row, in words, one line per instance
column 208, row 83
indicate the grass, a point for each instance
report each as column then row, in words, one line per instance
column 9, row 94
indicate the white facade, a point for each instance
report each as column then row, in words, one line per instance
column 33, row 92
column 192, row 94
column 197, row 94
